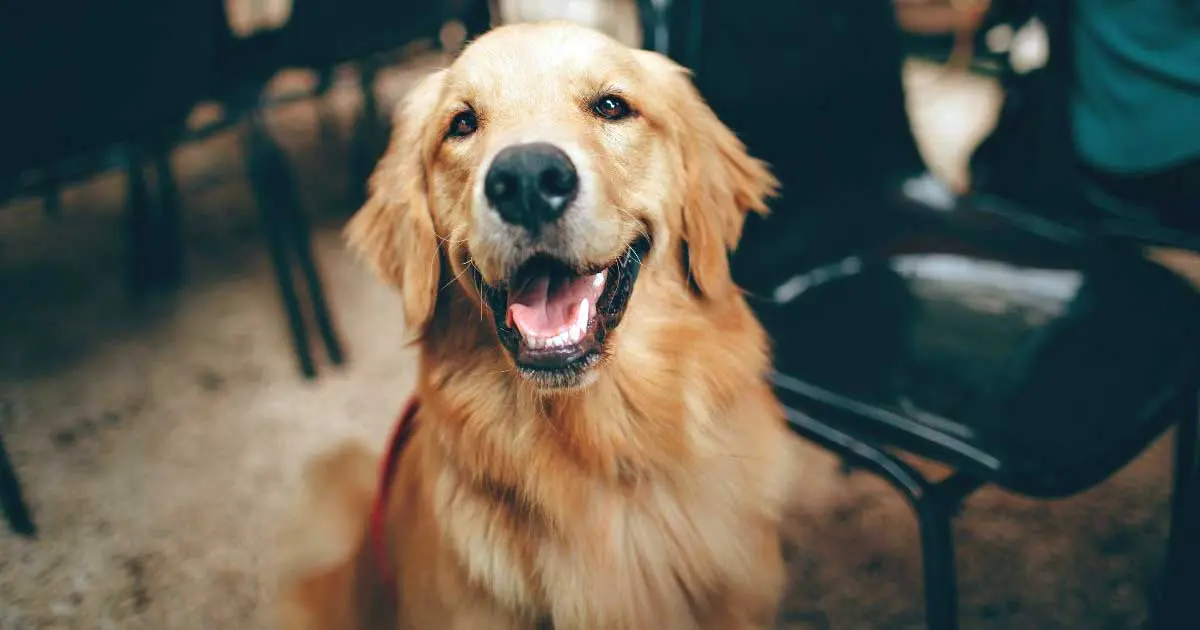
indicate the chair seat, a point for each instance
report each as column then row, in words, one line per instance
column 1016, row 350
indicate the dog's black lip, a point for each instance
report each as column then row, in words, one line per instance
column 565, row 366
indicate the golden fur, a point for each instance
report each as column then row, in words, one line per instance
column 650, row 497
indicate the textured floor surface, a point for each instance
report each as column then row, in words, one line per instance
column 160, row 440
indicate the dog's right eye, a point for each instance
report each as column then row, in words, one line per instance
column 463, row 124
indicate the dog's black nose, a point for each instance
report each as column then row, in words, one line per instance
column 531, row 185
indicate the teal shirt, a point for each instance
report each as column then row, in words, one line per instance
column 1136, row 105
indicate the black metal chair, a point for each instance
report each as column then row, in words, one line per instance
column 1020, row 353
column 79, row 89
column 319, row 36
column 1018, row 350
column 81, row 85
column 12, row 500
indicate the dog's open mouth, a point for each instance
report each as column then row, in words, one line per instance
column 554, row 319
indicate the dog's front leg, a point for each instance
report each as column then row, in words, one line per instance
column 753, row 606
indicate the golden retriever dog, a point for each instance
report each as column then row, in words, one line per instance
column 595, row 444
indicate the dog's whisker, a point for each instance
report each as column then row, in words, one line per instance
column 634, row 253
column 455, row 278
column 497, row 372
column 643, row 232
column 452, row 240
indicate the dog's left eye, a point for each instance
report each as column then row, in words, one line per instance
column 611, row 107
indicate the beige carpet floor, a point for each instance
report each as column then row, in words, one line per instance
column 159, row 440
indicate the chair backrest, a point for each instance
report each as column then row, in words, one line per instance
column 1029, row 157
column 76, row 76
column 815, row 89
column 334, row 31
column 318, row 35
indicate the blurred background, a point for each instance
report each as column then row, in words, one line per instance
column 181, row 326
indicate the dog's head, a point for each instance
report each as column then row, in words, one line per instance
column 542, row 173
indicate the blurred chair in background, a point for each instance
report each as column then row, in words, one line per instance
column 1107, row 132
column 72, row 91
column 1034, row 354
column 85, row 82
column 78, row 82
column 816, row 92
column 12, row 498
column 319, row 36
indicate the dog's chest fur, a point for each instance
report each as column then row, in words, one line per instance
column 652, row 501
column 651, row 556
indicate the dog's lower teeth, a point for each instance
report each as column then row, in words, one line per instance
column 566, row 337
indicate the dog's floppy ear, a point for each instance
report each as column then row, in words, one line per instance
column 722, row 182
column 394, row 230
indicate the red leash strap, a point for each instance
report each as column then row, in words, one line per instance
column 387, row 472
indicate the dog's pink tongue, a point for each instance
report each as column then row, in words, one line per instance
column 545, row 306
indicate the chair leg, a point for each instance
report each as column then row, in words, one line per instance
column 170, row 226
column 1183, row 540
column 12, row 500
column 935, row 504
column 301, row 238
column 936, row 509
column 139, row 222
column 938, row 562
column 269, row 179
column 327, row 124
column 154, row 242
column 367, row 143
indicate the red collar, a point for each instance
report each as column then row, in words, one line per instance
column 387, row 472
